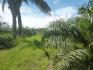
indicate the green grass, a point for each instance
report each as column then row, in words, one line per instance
column 24, row 56
column 5, row 34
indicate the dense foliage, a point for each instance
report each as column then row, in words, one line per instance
column 29, row 32
column 73, row 40
column 72, row 43
column 6, row 42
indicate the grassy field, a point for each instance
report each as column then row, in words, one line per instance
column 24, row 56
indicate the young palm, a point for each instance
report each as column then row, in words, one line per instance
column 14, row 6
column 73, row 41
column 74, row 49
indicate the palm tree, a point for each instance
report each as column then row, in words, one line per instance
column 74, row 50
column 14, row 6
column 74, row 46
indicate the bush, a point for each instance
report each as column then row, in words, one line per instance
column 37, row 43
column 29, row 32
column 6, row 42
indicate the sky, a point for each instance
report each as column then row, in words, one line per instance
column 32, row 17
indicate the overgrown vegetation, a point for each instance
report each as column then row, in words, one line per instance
column 6, row 42
column 63, row 45
column 24, row 56
column 73, row 40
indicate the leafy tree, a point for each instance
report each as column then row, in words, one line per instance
column 14, row 6
column 29, row 32
column 87, row 11
column 4, row 27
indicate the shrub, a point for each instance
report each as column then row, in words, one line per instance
column 6, row 42
column 37, row 43
column 29, row 32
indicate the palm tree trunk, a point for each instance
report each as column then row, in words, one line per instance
column 14, row 31
column 0, row 25
column 14, row 27
column 19, row 23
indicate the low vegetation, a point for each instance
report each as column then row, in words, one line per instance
column 24, row 56
column 6, row 42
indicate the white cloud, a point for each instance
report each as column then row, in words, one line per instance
column 66, row 12
column 6, row 14
column 36, row 22
column 31, row 20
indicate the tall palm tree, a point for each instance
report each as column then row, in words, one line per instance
column 14, row 6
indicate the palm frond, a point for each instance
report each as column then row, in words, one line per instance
column 73, row 59
column 86, row 8
column 26, row 1
column 56, row 33
column 42, row 5
column 59, row 31
column 78, row 36
column 3, row 4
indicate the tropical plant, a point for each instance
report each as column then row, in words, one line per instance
column 73, row 40
column 14, row 6
column 87, row 11
column 59, row 30
column 74, row 49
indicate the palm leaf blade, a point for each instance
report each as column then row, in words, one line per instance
column 73, row 58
